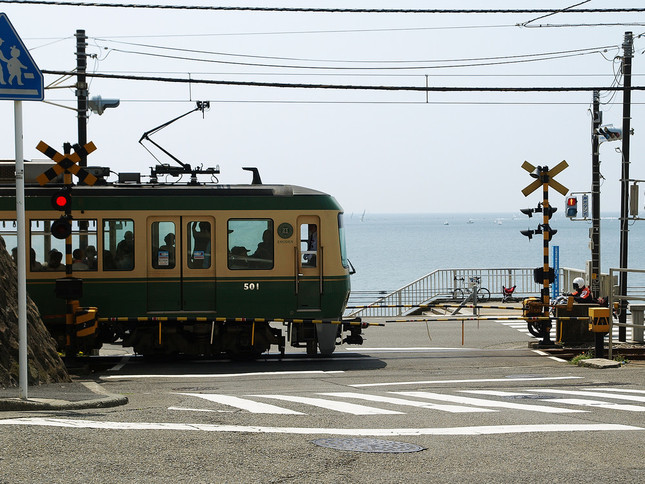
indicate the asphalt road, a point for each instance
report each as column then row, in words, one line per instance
column 411, row 405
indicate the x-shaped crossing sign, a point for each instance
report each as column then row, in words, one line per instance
column 66, row 163
column 544, row 175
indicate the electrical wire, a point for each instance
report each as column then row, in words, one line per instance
column 348, row 86
column 474, row 59
column 345, row 68
column 324, row 9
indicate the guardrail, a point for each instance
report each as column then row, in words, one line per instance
column 635, row 292
column 441, row 283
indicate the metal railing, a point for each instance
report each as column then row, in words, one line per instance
column 635, row 292
column 440, row 284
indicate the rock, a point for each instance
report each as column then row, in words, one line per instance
column 44, row 362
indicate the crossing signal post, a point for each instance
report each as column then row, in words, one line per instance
column 544, row 178
column 69, row 288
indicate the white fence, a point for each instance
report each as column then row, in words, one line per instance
column 440, row 284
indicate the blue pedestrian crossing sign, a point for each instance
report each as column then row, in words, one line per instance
column 20, row 78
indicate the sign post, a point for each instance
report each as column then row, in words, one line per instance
column 20, row 79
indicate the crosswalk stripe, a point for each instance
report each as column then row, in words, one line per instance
column 567, row 401
column 591, row 393
column 597, row 404
column 333, row 405
column 624, row 390
column 244, row 404
column 488, row 403
column 409, row 403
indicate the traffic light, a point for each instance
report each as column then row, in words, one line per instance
column 61, row 228
column 62, row 200
column 609, row 133
column 571, row 209
column 98, row 105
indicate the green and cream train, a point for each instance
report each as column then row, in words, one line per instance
column 197, row 268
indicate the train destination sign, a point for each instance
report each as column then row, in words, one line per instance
column 20, row 78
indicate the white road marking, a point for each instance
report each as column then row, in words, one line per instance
column 597, row 404
column 226, row 375
column 495, row 393
column 566, row 401
column 485, row 380
column 624, row 390
column 244, row 404
column 410, row 403
column 487, row 403
column 590, row 393
column 333, row 405
column 447, row 431
column 206, row 410
column 407, row 349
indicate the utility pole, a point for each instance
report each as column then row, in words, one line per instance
column 81, row 90
column 628, row 52
column 595, row 197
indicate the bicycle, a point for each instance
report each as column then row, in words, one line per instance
column 465, row 293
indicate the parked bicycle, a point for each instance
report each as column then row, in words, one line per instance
column 465, row 292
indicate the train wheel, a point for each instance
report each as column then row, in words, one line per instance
column 326, row 334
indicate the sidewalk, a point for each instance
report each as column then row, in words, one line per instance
column 78, row 394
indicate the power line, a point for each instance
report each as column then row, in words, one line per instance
column 324, row 10
column 504, row 61
column 588, row 50
column 346, row 86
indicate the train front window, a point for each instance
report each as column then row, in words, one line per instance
column 199, row 245
column 309, row 245
column 343, row 244
column 250, row 244
column 118, row 245
column 47, row 253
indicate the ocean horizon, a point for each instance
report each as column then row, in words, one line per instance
column 388, row 251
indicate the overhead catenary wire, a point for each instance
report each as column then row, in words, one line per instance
column 546, row 55
column 355, row 87
column 241, row 8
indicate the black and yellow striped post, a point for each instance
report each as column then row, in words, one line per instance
column 68, row 288
column 544, row 178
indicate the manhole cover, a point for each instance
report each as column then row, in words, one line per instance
column 368, row 445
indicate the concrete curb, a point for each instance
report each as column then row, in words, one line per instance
column 599, row 363
column 17, row 404
column 98, row 398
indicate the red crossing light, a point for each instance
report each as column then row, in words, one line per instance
column 62, row 200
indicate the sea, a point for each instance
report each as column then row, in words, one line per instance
column 388, row 251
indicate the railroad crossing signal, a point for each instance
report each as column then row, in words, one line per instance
column 544, row 175
column 62, row 199
column 544, row 178
column 66, row 163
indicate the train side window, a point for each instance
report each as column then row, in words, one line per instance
column 308, row 245
column 250, row 244
column 9, row 232
column 199, row 245
column 163, row 245
column 48, row 252
column 118, row 245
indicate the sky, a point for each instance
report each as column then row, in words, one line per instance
column 378, row 151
